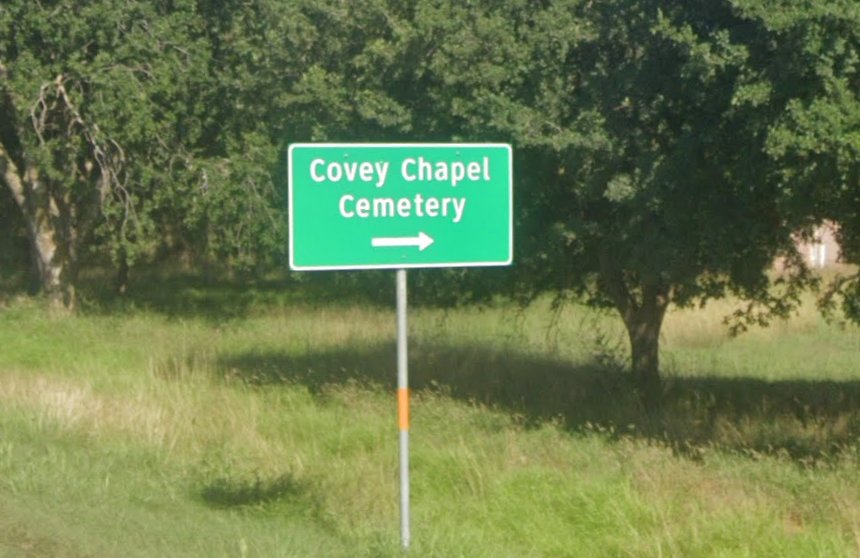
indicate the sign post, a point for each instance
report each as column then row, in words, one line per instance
column 399, row 206
column 403, row 406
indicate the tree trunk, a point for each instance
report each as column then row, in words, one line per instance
column 55, row 263
column 643, row 329
column 122, row 273
column 49, row 228
column 643, row 314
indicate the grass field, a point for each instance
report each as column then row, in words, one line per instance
column 203, row 426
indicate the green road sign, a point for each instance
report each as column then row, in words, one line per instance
column 374, row 206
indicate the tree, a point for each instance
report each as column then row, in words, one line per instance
column 91, row 113
column 643, row 172
column 665, row 150
column 663, row 191
column 808, row 65
column 122, row 129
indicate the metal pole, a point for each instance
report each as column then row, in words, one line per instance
column 403, row 406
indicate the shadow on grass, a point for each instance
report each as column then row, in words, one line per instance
column 218, row 296
column 231, row 493
column 802, row 420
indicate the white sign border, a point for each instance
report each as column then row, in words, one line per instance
column 508, row 261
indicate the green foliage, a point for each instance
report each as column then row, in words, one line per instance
column 674, row 190
column 810, row 56
column 664, row 151
column 122, row 109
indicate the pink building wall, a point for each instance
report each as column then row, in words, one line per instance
column 822, row 250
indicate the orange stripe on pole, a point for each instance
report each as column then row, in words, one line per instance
column 403, row 408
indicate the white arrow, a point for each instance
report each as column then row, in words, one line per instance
column 422, row 241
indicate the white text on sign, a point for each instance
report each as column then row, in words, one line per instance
column 411, row 170
column 418, row 205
